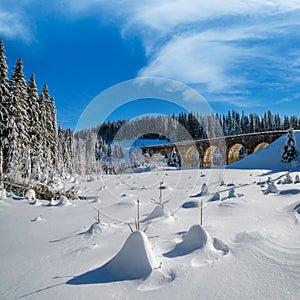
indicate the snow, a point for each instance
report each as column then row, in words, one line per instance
column 271, row 189
column 231, row 193
column 2, row 193
column 215, row 197
column 30, row 195
column 248, row 246
column 196, row 238
column 94, row 229
column 270, row 157
column 157, row 212
column 133, row 261
column 63, row 201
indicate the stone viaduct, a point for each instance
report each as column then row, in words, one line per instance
column 216, row 151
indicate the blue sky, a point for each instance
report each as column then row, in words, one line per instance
column 242, row 55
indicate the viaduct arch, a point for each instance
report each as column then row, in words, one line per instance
column 217, row 151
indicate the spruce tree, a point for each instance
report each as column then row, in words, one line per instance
column 4, row 99
column 35, row 128
column 174, row 162
column 49, row 139
column 18, row 127
column 289, row 152
column 53, row 132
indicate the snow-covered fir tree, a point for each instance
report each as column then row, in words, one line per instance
column 87, row 158
column 174, row 161
column 28, row 128
column 18, row 126
column 117, row 151
column 289, row 152
column 65, row 153
column 137, row 158
column 4, row 98
column 49, row 138
column 35, row 129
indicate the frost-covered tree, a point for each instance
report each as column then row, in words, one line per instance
column 65, row 152
column 69, row 151
column 49, row 138
column 35, row 129
column 117, row 151
column 4, row 98
column 137, row 158
column 18, row 125
column 174, row 161
column 13, row 166
column 289, row 152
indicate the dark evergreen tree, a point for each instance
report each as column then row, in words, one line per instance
column 174, row 162
column 289, row 152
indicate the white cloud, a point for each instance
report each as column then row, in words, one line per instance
column 204, row 58
column 12, row 25
column 219, row 46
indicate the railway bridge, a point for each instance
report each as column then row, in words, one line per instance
column 216, row 151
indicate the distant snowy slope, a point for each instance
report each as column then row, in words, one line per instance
column 269, row 157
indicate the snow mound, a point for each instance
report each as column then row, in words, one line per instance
column 231, row 193
column 221, row 246
column 204, row 189
column 157, row 212
column 30, row 195
column 196, row 238
column 215, row 197
column 94, row 229
column 63, row 201
column 287, row 180
column 271, row 189
column 269, row 158
column 133, row 261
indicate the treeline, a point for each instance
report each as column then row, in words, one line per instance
column 31, row 145
column 194, row 126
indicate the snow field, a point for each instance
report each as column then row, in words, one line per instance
column 248, row 247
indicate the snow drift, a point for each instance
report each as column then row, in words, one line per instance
column 134, row 261
column 196, row 238
column 157, row 212
column 63, row 201
column 93, row 229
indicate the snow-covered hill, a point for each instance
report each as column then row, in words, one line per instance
column 269, row 157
